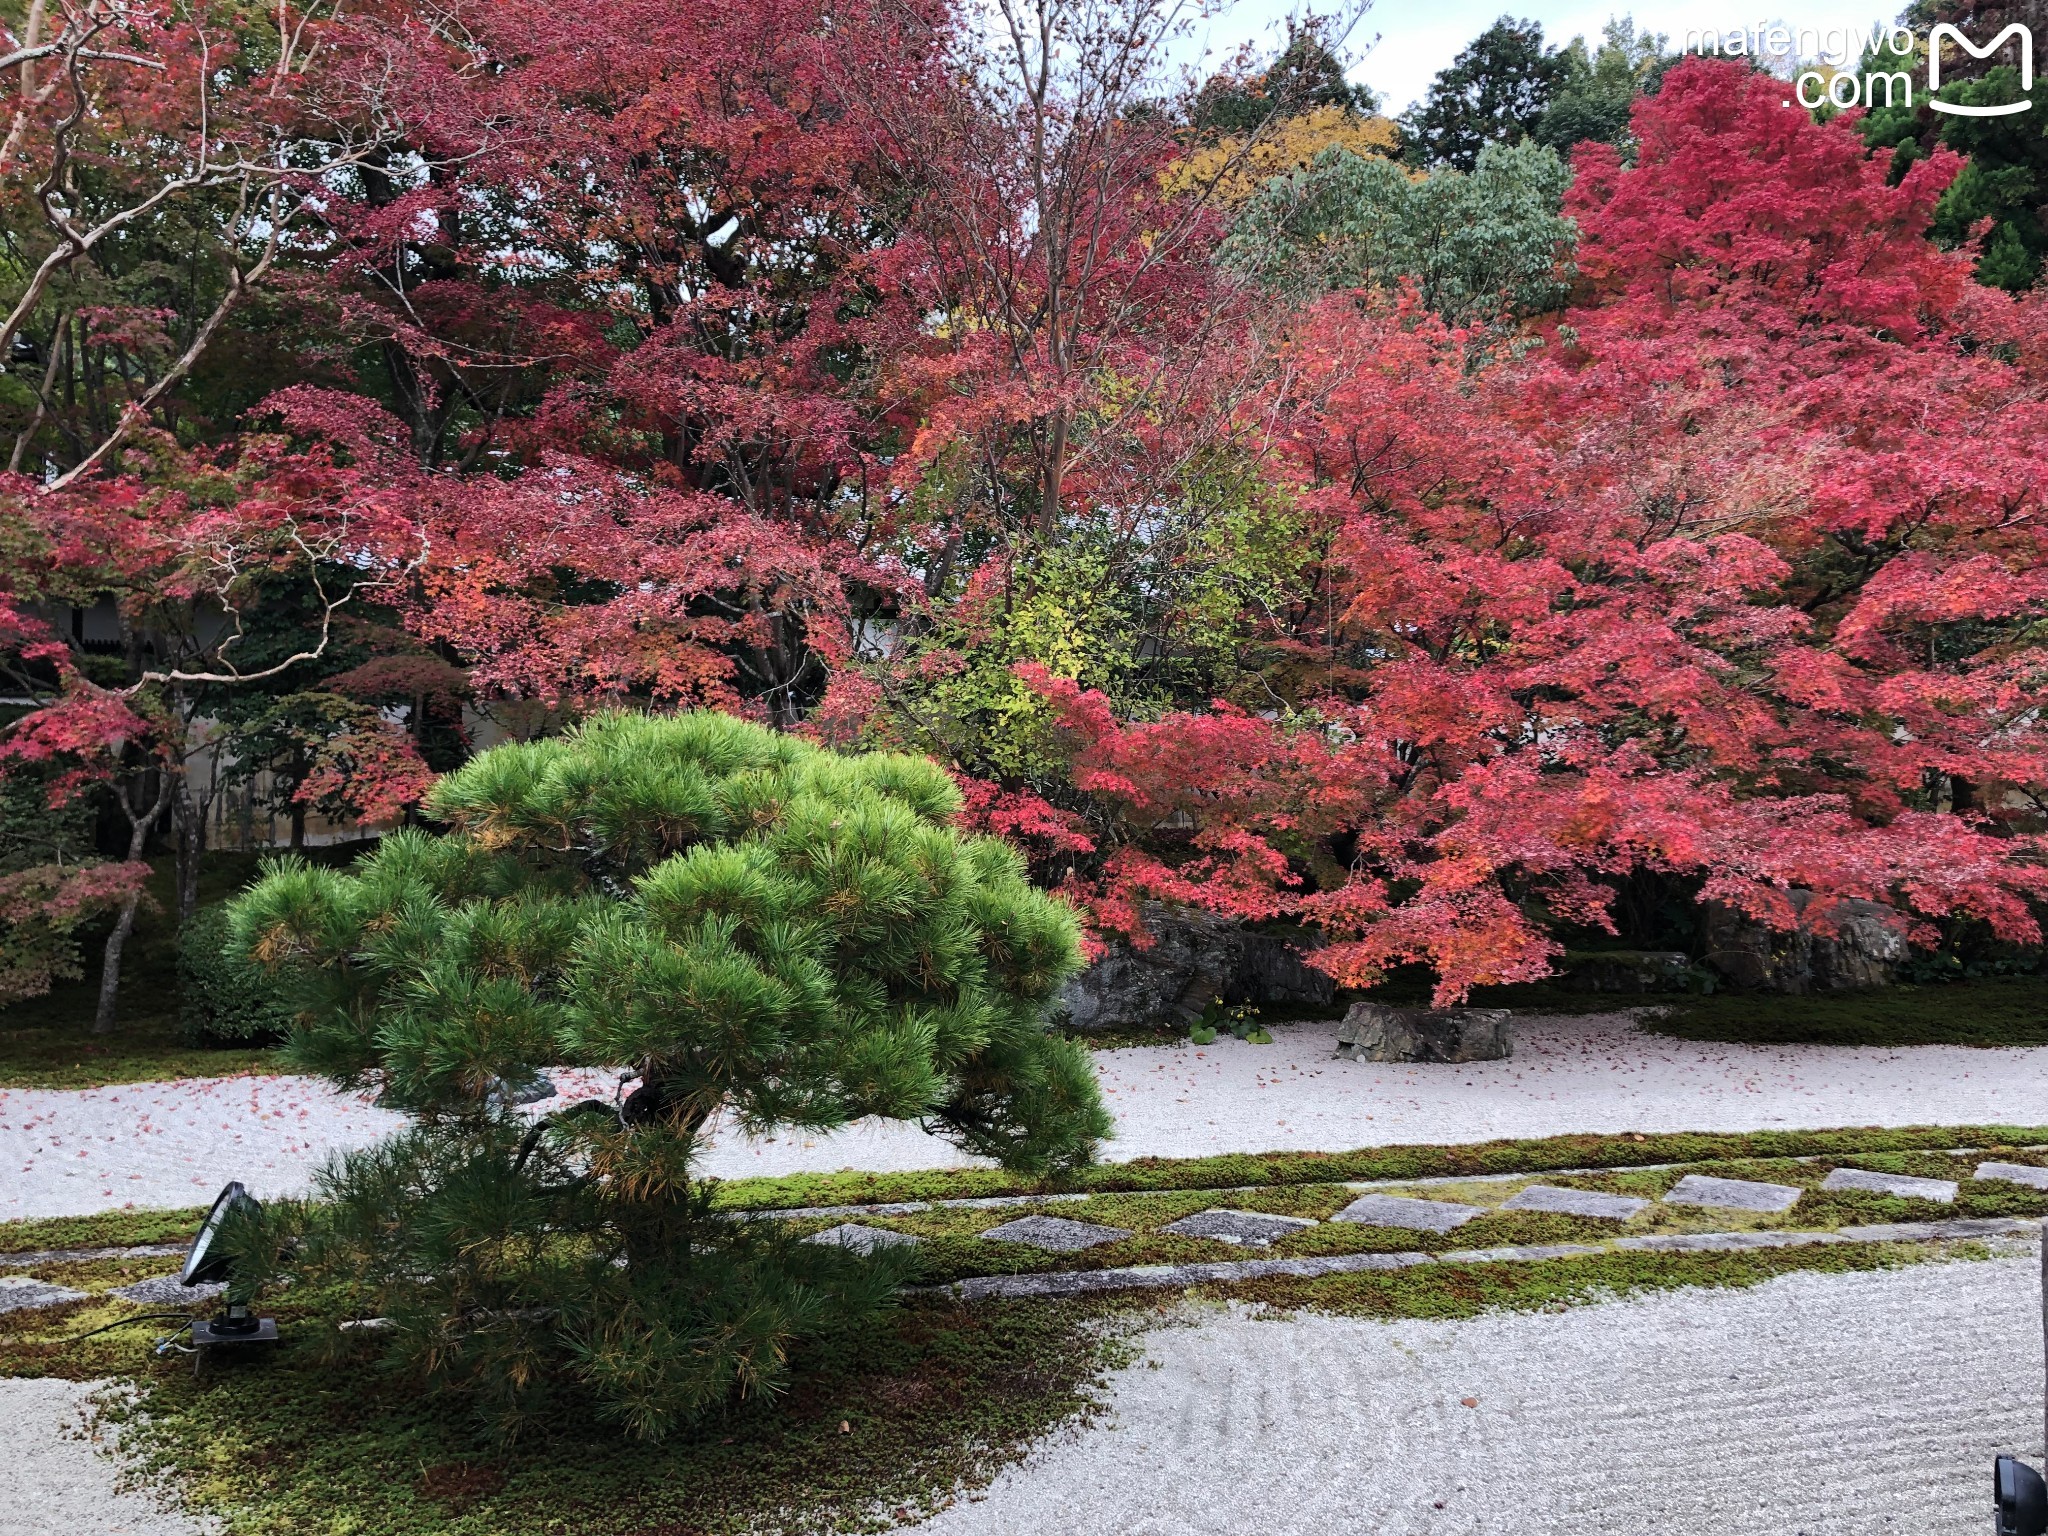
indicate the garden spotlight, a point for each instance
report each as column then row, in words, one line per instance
column 2021, row 1497
column 2018, row 1493
column 207, row 1263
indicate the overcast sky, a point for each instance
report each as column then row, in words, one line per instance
column 1419, row 37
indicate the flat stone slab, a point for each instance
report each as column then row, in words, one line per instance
column 1156, row 1276
column 1400, row 1211
column 1246, row 1229
column 37, row 1257
column 1724, row 1242
column 2014, row 1173
column 1575, row 1202
column 907, row 1207
column 862, row 1239
column 1528, row 1254
column 18, row 1293
column 1943, row 1231
column 1054, row 1234
column 1732, row 1194
column 164, row 1291
column 1942, row 1190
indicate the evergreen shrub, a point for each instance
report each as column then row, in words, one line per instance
column 765, row 934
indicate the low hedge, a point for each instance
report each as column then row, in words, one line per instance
column 223, row 999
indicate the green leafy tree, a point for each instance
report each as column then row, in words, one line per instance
column 1307, row 74
column 1595, row 96
column 2006, row 179
column 766, row 933
column 1495, row 92
column 1478, row 247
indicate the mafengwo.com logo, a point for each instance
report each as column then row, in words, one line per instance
column 1843, row 49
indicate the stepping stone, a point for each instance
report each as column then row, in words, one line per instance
column 2014, row 1173
column 18, row 1293
column 1246, row 1229
column 863, row 1240
column 1054, row 1234
column 164, row 1291
column 1942, row 1190
column 1732, row 1194
column 1416, row 1215
column 1575, row 1202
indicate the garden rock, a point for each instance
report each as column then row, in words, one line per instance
column 1054, row 1234
column 863, row 1240
column 1575, row 1202
column 1942, row 1190
column 1732, row 1194
column 1863, row 951
column 1194, row 958
column 18, row 1293
column 1631, row 970
column 1400, row 1211
column 1246, row 1229
column 165, row 1291
column 1380, row 1032
column 2014, row 1173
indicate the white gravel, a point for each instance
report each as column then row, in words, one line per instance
column 1815, row 1405
column 58, row 1482
column 176, row 1143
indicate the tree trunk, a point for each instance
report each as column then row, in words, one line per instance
column 110, row 967
column 139, row 824
column 299, row 771
column 191, row 821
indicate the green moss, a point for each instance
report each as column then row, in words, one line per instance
column 869, row 1434
column 108, row 1229
column 1466, row 1290
column 1273, row 1169
column 2001, row 1011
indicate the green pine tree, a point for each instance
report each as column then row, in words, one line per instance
column 767, row 933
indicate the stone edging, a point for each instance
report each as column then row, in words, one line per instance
column 1157, row 1276
column 995, row 1202
column 86, row 1255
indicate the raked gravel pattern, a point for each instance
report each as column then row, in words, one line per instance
column 156, row 1144
column 1829, row 1405
column 58, row 1482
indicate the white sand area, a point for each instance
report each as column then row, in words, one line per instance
column 169, row 1144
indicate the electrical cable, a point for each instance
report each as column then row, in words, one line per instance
column 145, row 1317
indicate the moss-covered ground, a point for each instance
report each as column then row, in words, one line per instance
column 884, row 1428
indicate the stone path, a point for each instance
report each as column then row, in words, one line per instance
column 863, row 1239
column 1575, row 1202
column 2014, row 1173
column 1408, row 1213
column 1140, row 1277
column 1244, row 1229
column 1416, row 1215
column 174, row 1144
column 1054, row 1234
column 1859, row 1404
column 18, row 1293
column 1942, row 1191
column 1732, row 1194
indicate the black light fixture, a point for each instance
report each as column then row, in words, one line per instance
column 2018, row 1492
column 206, row 1263
column 2021, row 1497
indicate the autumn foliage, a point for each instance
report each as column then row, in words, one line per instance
column 795, row 361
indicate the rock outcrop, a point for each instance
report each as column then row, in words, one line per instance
column 1863, row 951
column 1194, row 958
column 1382, row 1032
